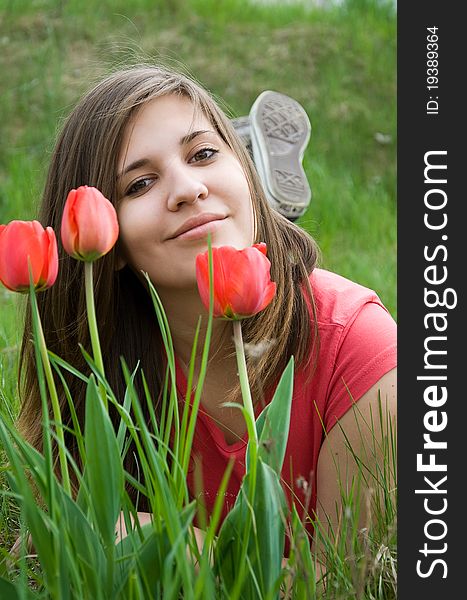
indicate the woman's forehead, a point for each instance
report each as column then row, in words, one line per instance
column 168, row 106
column 166, row 119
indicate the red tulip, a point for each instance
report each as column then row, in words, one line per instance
column 89, row 224
column 20, row 240
column 242, row 284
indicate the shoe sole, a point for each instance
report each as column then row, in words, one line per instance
column 242, row 127
column 280, row 131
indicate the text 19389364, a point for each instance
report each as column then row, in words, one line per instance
column 432, row 71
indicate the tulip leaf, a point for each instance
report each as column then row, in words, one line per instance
column 123, row 426
column 104, row 470
column 266, row 536
column 144, row 553
column 36, row 519
column 273, row 423
column 229, row 542
column 270, row 508
column 11, row 591
column 87, row 549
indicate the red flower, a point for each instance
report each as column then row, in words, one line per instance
column 89, row 224
column 20, row 240
column 242, row 284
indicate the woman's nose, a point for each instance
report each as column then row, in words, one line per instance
column 185, row 187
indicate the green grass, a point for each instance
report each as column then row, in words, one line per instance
column 340, row 63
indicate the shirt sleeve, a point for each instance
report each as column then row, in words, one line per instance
column 367, row 351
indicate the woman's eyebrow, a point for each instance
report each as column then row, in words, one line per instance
column 186, row 139
column 142, row 162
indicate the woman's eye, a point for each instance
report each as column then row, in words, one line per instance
column 139, row 186
column 203, row 154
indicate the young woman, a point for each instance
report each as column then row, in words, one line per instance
column 156, row 144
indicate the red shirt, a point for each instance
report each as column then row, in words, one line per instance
column 357, row 347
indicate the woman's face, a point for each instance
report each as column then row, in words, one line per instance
column 178, row 181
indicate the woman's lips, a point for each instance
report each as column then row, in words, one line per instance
column 201, row 231
column 198, row 226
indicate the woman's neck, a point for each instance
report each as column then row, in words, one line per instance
column 183, row 314
column 183, row 311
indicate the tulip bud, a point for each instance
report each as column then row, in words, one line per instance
column 89, row 224
column 242, row 284
column 21, row 241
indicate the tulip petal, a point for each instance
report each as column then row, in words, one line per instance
column 261, row 247
column 89, row 224
column 53, row 257
column 222, row 278
column 49, row 274
column 25, row 249
column 202, row 278
column 268, row 295
column 242, row 284
column 68, row 230
column 24, row 243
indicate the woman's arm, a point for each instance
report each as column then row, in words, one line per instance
column 363, row 430
column 120, row 529
column 144, row 518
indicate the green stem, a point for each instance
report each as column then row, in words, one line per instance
column 244, row 384
column 55, row 406
column 93, row 330
column 248, row 404
column 253, row 449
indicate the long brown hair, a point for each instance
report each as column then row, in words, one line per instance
column 86, row 153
